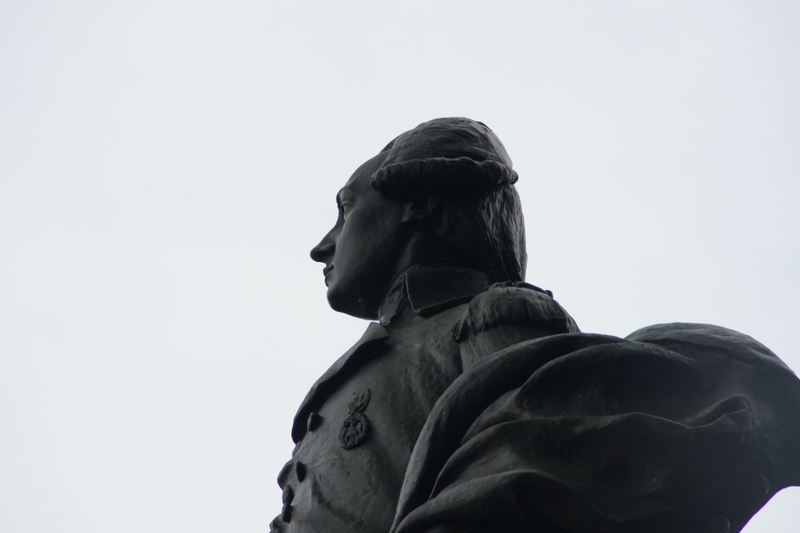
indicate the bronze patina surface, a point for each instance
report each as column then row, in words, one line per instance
column 473, row 403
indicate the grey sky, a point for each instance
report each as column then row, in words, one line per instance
column 160, row 319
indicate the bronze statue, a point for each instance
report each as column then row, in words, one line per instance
column 475, row 404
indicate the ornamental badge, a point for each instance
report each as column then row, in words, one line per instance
column 355, row 427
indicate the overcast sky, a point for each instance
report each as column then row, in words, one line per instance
column 165, row 167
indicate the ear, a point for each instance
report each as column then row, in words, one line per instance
column 419, row 207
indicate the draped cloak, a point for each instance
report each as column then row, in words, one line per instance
column 676, row 428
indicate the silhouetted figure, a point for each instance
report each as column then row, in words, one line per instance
column 475, row 404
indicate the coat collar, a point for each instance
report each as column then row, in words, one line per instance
column 429, row 289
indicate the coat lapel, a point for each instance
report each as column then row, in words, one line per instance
column 353, row 359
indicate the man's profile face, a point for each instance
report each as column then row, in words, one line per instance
column 364, row 252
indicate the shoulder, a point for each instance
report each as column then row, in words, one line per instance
column 506, row 314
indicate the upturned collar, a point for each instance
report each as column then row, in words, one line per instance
column 428, row 289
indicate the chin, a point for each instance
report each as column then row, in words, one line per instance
column 348, row 304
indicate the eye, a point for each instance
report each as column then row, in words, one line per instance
column 345, row 207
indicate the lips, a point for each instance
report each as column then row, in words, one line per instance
column 325, row 272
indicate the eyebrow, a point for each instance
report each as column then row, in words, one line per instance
column 339, row 197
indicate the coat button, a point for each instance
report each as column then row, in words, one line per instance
column 286, row 513
column 288, row 495
column 314, row 420
column 300, row 471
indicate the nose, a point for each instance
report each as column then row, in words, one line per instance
column 324, row 249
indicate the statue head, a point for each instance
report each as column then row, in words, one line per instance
column 442, row 191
